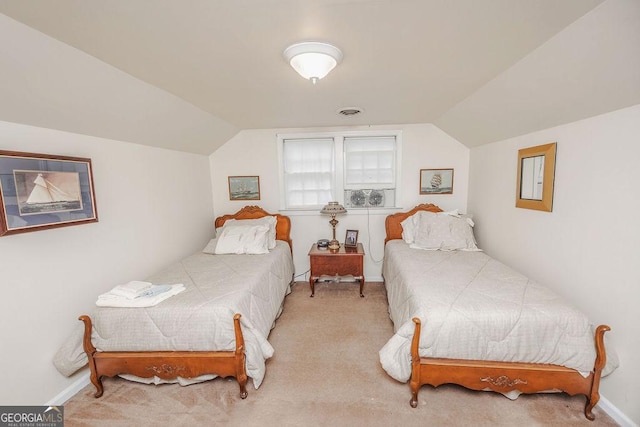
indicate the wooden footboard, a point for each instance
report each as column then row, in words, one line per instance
column 507, row 376
column 166, row 364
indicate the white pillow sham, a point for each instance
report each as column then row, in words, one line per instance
column 269, row 221
column 243, row 239
column 409, row 224
column 443, row 231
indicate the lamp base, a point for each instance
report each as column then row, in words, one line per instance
column 334, row 245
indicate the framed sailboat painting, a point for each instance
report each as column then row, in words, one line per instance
column 42, row 191
column 244, row 188
column 436, row 181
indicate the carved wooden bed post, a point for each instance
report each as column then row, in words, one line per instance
column 90, row 350
column 415, row 364
column 601, row 359
column 240, row 359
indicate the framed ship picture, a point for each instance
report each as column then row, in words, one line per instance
column 244, row 188
column 42, row 191
column 436, row 181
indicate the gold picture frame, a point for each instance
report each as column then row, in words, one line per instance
column 536, row 175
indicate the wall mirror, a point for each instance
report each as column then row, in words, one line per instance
column 536, row 170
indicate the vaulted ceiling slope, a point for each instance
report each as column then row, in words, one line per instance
column 187, row 75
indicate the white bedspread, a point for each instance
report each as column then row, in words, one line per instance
column 473, row 307
column 201, row 317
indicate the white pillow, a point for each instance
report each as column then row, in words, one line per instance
column 443, row 232
column 269, row 221
column 211, row 247
column 408, row 229
column 410, row 223
column 451, row 213
column 243, row 239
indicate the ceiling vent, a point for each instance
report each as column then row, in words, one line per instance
column 350, row 111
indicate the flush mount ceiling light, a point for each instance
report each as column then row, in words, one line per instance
column 313, row 60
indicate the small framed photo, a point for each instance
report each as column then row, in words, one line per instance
column 436, row 181
column 244, row 188
column 351, row 239
column 42, row 191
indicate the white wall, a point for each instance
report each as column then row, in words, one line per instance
column 588, row 68
column 154, row 207
column 46, row 83
column 587, row 248
column 254, row 152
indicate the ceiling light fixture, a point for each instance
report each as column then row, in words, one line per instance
column 313, row 60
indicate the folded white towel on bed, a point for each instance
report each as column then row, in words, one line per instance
column 131, row 290
column 152, row 296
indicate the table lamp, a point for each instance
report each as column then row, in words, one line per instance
column 333, row 209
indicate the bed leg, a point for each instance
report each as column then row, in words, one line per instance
column 414, row 383
column 591, row 403
column 90, row 350
column 414, row 398
column 241, row 373
column 601, row 360
column 97, row 382
column 243, row 391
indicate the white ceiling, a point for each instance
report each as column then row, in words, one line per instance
column 480, row 70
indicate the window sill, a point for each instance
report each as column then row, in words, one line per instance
column 352, row 211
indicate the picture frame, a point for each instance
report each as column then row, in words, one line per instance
column 436, row 181
column 351, row 239
column 244, row 188
column 44, row 191
column 536, row 174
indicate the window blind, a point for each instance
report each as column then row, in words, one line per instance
column 369, row 162
column 308, row 172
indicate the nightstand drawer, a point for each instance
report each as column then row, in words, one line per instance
column 340, row 266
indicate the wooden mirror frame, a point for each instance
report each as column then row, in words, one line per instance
column 549, row 153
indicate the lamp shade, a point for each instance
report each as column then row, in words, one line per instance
column 313, row 60
column 333, row 208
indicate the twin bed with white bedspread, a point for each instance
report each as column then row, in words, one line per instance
column 197, row 322
column 484, row 325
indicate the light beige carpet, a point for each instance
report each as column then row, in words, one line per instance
column 325, row 372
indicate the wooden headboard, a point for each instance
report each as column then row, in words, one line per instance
column 283, row 224
column 392, row 223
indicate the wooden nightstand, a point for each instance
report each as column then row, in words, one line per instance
column 346, row 261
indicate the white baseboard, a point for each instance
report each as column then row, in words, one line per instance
column 615, row 413
column 70, row 391
column 374, row 279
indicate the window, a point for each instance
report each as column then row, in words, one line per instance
column 308, row 172
column 358, row 169
column 369, row 162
